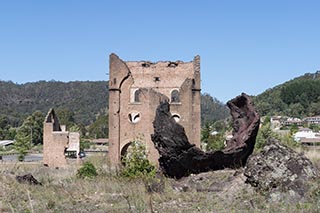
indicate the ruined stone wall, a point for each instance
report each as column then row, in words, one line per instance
column 74, row 142
column 54, row 143
column 56, row 140
column 143, row 128
column 136, row 89
column 118, row 73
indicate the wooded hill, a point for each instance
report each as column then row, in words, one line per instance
column 299, row 97
column 85, row 99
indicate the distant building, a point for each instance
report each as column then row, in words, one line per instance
column 307, row 136
column 303, row 133
column 292, row 121
column 275, row 122
column 313, row 120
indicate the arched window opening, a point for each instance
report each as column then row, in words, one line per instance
column 175, row 96
column 137, row 96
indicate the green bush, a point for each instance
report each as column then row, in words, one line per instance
column 84, row 144
column 136, row 163
column 87, row 171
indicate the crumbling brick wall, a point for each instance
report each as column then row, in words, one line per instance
column 136, row 89
column 56, row 140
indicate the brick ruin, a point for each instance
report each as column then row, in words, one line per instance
column 57, row 141
column 135, row 91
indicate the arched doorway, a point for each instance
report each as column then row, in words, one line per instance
column 124, row 152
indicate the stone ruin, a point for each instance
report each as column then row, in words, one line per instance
column 57, row 141
column 136, row 88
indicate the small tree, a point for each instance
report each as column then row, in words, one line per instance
column 22, row 142
column 294, row 128
column 264, row 134
column 213, row 142
column 136, row 163
column 216, row 142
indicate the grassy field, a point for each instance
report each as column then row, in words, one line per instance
column 62, row 191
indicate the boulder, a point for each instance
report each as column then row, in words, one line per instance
column 279, row 171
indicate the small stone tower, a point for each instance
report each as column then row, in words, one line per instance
column 57, row 141
column 135, row 91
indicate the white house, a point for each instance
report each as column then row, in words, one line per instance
column 305, row 133
column 313, row 120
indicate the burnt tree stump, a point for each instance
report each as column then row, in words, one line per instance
column 28, row 178
column 179, row 158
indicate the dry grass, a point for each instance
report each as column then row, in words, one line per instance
column 311, row 152
column 62, row 191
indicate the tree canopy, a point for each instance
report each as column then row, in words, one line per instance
column 299, row 97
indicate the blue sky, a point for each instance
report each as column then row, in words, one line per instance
column 245, row 46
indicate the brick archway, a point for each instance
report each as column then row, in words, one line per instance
column 124, row 151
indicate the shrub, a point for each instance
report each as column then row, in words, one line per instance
column 84, row 144
column 136, row 163
column 87, row 171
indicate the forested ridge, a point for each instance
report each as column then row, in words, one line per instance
column 299, row 97
column 84, row 99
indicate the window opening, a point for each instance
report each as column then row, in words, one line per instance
column 175, row 96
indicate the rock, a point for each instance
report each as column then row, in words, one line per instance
column 28, row 178
column 279, row 172
column 156, row 184
column 180, row 158
column 226, row 185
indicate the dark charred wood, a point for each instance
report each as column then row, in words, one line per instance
column 28, row 178
column 179, row 158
